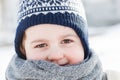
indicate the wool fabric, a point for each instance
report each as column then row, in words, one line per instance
column 20, row 69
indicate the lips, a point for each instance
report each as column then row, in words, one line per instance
column 62, row 62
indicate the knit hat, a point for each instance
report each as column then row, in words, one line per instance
column 69, row 13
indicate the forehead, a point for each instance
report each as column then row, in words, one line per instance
column 49, row 32
column 49, row 29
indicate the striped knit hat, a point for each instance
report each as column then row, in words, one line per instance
column 68, row 13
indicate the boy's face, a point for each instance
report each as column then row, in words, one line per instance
column 53, row 43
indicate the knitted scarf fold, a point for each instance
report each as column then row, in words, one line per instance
column 20, row 69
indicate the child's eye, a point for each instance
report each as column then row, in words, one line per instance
column 41, row 45
column 67, row 41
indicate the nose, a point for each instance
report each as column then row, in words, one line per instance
column 55, row 54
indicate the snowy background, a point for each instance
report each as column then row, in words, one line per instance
column 104, row 31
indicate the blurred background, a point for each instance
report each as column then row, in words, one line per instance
column 103, row 18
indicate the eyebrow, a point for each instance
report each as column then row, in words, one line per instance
column 38, row 40
column 63, row 36
column 71, row 35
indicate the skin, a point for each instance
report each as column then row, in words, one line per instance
column 54, row 43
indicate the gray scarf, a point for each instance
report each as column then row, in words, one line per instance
column 20, row 69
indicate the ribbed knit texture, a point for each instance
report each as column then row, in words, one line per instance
column 69, row 13
column 20, row 69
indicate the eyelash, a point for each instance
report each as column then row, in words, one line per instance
column 65, row 41
column 41, row 45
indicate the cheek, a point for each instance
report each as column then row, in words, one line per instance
column 75, row 55
column 35, row 54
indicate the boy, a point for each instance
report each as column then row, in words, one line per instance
column 52, row 44
column 62, row 47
